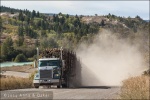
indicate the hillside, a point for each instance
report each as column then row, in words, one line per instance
column 23, row 30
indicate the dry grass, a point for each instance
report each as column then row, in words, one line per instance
column 11, row 82
column 31, row 77
column 8, row 83
column 136, row 88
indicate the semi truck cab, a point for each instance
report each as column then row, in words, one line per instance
column 49, row 72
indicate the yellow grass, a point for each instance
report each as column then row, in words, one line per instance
column 31, row 77
column 136, row 88
column 8, row 83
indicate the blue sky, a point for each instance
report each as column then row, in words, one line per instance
column 119, row 8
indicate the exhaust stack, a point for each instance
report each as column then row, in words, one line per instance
column 37, row 53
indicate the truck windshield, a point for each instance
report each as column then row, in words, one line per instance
column 49, row 63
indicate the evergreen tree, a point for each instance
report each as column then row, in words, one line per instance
column 102, row 23
column 27, row 19
column 38, row 14
column 0, row 24
column 43, row 33
column 62, row 20
column 20, row 58
column 54, row 18
column 60, row 14
column 7, row 49
column 67, row 16
column 59, row 29
column 38, row 23
column 31, row 33
column 21, row 17
column 43, row 24
column 4, row 50
column 20, row 30
column 26, row 30
column 20, row 41
column 33, row 14
column 76, row 16
column 11, row 11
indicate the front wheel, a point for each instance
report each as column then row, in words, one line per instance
column 36, row 85
column 64, row 85
column 58, row 86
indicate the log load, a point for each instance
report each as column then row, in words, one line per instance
column 72, row 68
column 68, row 56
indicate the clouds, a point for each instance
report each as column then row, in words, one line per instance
column 120, row 8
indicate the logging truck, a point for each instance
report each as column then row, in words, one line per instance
column 55, row 67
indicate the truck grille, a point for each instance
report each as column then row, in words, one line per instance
column 46, row 74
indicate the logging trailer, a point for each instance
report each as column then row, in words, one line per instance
column 55, row 67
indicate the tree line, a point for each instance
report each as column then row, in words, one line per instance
column 52, row 31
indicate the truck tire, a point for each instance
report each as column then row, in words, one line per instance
column 58, row 86
column 36, row 85
column 64, row 85
column 67, row 83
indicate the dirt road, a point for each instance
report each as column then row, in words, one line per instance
column 77, row 93
column 93, row 92
column 16, row 74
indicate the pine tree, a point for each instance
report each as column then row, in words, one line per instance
column 20, row 30
column 21, row 17
column 0, row 24
column 102, row 23
column 20, row 41
column 59, row 29
column 62, row 20
column 7, row 48
column 11, row 11
column 27, row 19
column 4, row 50
column 38, row 14
column 67, row 16
column 43, row 24
column 33, row 14
column 43, row 33
column 54, row 18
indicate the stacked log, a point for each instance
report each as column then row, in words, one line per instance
column 68, row 56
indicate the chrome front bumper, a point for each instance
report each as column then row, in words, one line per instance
column 46, row 81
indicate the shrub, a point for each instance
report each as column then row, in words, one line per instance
column 20, row 58
column 31, row 59
column 147, row 72
column 31, row 77
column 8, row 83
column 135, row 88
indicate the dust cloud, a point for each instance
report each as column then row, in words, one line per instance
column 108, row 60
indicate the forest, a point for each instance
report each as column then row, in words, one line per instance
column 22, row 31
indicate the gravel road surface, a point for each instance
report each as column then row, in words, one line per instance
column 102, row 92
column 16, row 74
column 87, row 92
